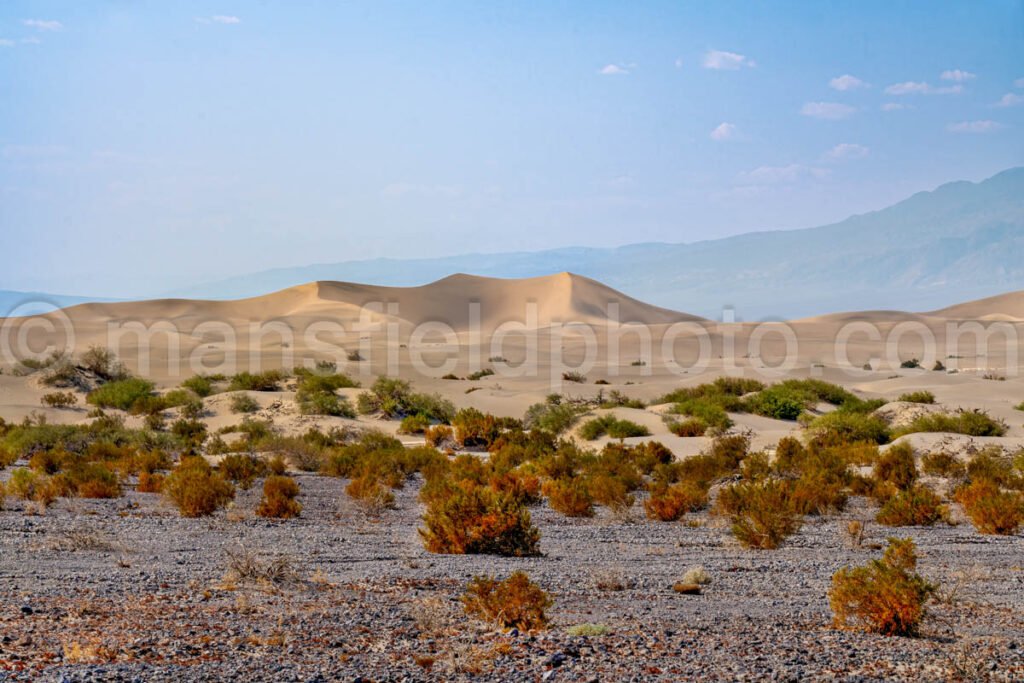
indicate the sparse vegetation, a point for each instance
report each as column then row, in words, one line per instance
column 917, row 505
column 196, row 489
column 279, row 498
column 244, row 403
column 886, row 596
column 917, row 397
column 970, row 422
column 120, row 394
column 515, row 602
column 761, row 513
column 269, row 380
column 59, row 399
column 614, row 427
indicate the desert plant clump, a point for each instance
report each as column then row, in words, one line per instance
column 196, row 489
column 917, row 505
column 886, row 596
column 243, row 403
column 614, row 427
column 991, row 509
column 464, row 517
column 479, row 374
column 414, row 424
column 574, row 376
column 917, row 397
column 279, row 498
column 394, row 398
column 690, row 427
column 896, row 467
column 668, row 503
column 942, row 464
column 571, row 497
column 103, row 363
column 843, row 427
column 242, row 469
column 59, row 399
column 970, row 422
column 554, row 415
column 516, row 602
column 762, row 513
column 200, row 385
column 121, row 394
column 268, row 380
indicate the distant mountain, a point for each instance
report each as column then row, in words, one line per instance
column 32, row 303
column 961, row 241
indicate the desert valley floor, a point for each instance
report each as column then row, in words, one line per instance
column 127, row 588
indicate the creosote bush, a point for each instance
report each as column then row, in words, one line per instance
column 886, row 596
column 279, row 494
column 196, row 489
column 990, row 509
column 762, row 513
column 668, row 503
column 917, row 505
column 614, row 427
column 515, row 602
column 120, row 394
column 394, row 398
column 464, row 517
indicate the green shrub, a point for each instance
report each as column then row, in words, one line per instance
column 103, row 363
column 917, row 397
column 393, row 398
column 121, row 394
column 242, row 469
column 842, row 427
column 269, row 380
column 896, row 466
column 690, row 427
column 552, row 417
column 244, row 403
column 614, row 427
column 59, row 399
column 970, row 422
column 414, row 424
column 324, row 403
column 200, row 385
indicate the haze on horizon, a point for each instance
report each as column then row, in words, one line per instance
column 148, row 147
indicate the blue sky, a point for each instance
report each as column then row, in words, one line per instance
column 146, row 146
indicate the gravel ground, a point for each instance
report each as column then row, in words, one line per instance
column 127, row 590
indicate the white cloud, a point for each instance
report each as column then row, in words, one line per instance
column 894, row 106
column 4, row 42
column 957, row 75
column 827, row 110
column 781, row 175
column 43, row 24
column 613, row 70
column 1009, row 100
column 723, row 131
column 922, row 88
column 985, row 126
column 219, row 19
column 847, row 82
column 848, row 150
column 729, row 61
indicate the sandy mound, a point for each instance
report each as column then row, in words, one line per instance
column 901, row 413
column 1008, row 307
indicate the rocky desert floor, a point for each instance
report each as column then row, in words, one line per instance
column 128, row 590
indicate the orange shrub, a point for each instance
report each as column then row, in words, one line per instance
column 196, row 489
column 525, row 488
column 279, row 494
column 570, row 497
column 515, row 602
column 896, row 466
column 611, row 491
column 439, row 436
column 762, row 513
column 885, row 596
column 915, row 506
column 368, row 490
column 669, row 503
column 150, row 482
column 990, row 509
column 466, row 518
column 94, row 480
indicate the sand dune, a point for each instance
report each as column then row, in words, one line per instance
column 1009, row 307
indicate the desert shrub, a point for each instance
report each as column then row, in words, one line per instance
column 49, row 461
column 59, row 399
column 243, row 403
column 917, row 505
column 190, row 432
column 121, row 394
column 917, row 397
column 970, row 422
column 574, row 376
column 439, row 436
column 242, row 469
column 614, row 427
column 761, row 513
column 32, row 486
column 842, row 427
column 994, row 465
column 59, row 371
column 707, row 411
column 990, row 509
column 787, row 400
column 196, row 489
column 268, row 380
column 474, row 429
column 896, row 466
column 886, row 596
column 616, row 399
column 467, row 518
column 940, row 464
column 778, row 403
column 369, row 490
column 413, row 424
column 553, row 417
column 323, row 403
column 150, row 482
column 394, row 398
column 571, row 497
column 93, row 480
column 515, row 602
column 324, row 378
column 523, row 488
column 279, row 494
column 912, row 363
column 103, row 363
column 738, row 386
column 611, row 491
column 690, row 427
column 200, row 385
column 668, row 503
column 480, row 374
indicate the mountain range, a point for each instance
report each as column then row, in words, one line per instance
column 960, row 241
